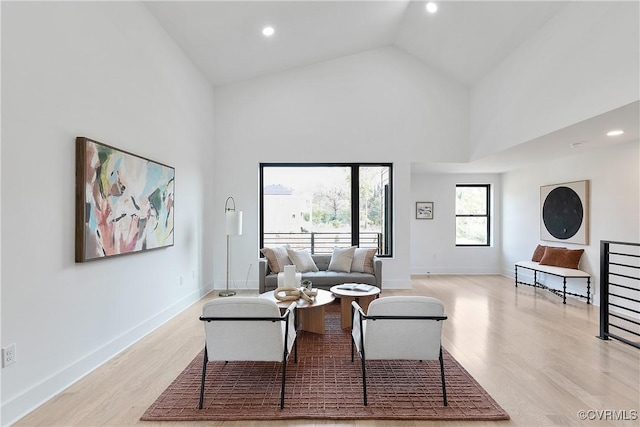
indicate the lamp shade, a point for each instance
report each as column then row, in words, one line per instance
column 233, row 221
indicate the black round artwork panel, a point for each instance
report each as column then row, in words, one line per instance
column 562, row 213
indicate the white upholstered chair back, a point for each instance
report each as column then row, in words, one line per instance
column 410, row 339
column 399, row 328
column 246, row 340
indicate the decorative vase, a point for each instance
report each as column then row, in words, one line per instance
column 290, row 276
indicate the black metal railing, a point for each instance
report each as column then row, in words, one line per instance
column 323, row 242
column 620, row 291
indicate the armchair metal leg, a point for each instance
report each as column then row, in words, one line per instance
column 284, row 375
column 444, row 387
column 352, row 348
column 364, row 379
column 204, row 373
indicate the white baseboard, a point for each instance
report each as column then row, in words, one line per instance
column 35, row 396
column 454, row 271
column 396, row 284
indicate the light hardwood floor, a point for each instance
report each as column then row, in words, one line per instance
column 539, row 359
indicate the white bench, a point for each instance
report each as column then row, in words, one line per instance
column 565, row 273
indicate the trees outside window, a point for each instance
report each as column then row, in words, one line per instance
column 319, row 206
column 472, row 215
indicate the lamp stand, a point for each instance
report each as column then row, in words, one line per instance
column 227, row 292
column 233, row 227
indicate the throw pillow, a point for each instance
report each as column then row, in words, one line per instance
column 560, row 257
column 538, row 253
column 341, row 259
column 277, row 258
column 302, row 260
column 363, row 260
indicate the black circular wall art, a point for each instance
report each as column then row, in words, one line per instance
column 562, row 213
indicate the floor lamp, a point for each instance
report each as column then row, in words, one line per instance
column 233, row 227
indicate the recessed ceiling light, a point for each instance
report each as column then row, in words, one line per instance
column 432, row 7
column 268, row 31
column 615, row 132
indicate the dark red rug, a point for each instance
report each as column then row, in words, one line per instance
column 325, row 384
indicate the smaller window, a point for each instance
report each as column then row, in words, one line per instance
column 472, row 215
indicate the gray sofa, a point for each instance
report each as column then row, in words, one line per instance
column 322, row 279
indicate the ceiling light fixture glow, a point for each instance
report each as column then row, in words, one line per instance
column 615, row 132
column 268, row 31
column 432, row 7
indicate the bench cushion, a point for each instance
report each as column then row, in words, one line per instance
column 561, row 257
column 538, row 253
column 558, row 271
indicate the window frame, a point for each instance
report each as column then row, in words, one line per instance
column 487, row 215
column 355, row 199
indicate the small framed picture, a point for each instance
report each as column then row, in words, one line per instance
column 424, row 210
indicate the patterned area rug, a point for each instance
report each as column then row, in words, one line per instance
column 325, row 384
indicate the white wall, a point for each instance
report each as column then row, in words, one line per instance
column 614, row 195
column 381, row 105
column 433, row 242
column 584, row 62
column 107, row 71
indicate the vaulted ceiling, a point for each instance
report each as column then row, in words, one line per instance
column 463, row 40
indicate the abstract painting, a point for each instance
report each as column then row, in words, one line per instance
column 124, row 202
column 564, row 212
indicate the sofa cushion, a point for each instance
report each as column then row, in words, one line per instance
column 322, row 278
column 329, row 278
column 302, row 260
column 322, row 261
column 325, row 279
column 277, row 258
column 363, row 260
column 341, row 259
column 561, row 257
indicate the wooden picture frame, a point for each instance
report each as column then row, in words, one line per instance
column 424, row 210
column 124, row 202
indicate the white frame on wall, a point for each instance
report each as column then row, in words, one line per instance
column 424, row 210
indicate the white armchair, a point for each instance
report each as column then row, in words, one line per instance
column 247, row 329
column 399, row 328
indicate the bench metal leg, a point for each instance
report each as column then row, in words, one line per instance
column 559, row 292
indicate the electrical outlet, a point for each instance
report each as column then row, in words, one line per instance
column 181, row 280
column 8, row 355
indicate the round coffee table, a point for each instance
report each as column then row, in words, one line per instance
column 363, row 298
column 310, row 317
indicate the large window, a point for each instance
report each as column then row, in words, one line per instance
column 472, row 215
column 319, row 206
